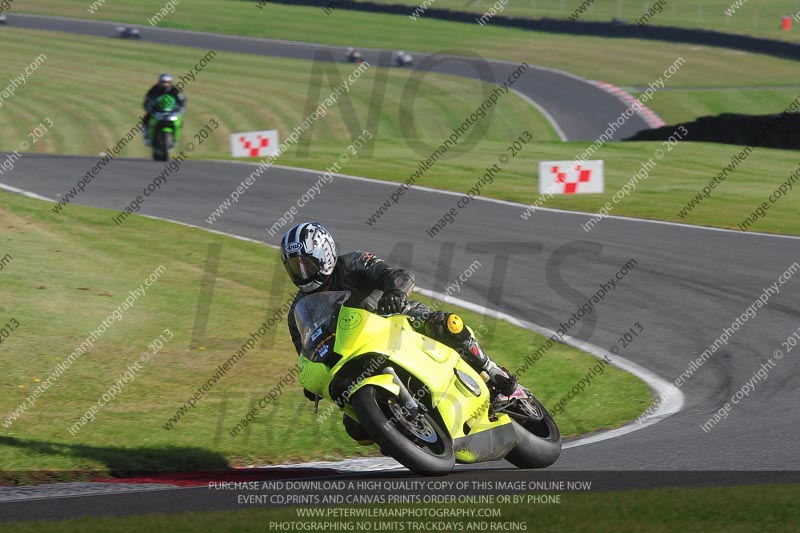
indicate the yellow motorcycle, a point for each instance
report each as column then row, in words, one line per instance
column 417, row 398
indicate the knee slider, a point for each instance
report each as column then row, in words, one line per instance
column 454, row 324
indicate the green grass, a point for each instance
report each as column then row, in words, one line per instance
column 92, row 108
column 756, row 17
column 677, row 178
column 56, row 91
column 610, row 60
column 680, row 175
column 619, row 61
column 759, row 508
column 685, row 105
column 70, row 272
column 88, row 123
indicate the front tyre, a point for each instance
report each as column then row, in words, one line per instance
column 538, row 436
column 161, row 145
column 419, row 444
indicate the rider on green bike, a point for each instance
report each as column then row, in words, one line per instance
column 160, row 95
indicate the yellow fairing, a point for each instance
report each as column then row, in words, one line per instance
column 438, row 366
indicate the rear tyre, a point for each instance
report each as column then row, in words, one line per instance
column 419, row 444
column 539, row 439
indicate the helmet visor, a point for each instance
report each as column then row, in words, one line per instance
column 302, row 270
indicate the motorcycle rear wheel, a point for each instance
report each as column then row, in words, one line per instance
column 419, row 444
column 539, row 439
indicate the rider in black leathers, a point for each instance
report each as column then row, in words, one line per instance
column 309, row 256
column 151, row 100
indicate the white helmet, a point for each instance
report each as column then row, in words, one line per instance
column 308, row 253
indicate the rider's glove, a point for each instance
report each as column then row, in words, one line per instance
column 392, row 302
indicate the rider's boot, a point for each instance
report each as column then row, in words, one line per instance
column 498, row 378
column 356, row 431
column 449, row 329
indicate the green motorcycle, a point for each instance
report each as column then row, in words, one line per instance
column 164, row 127
column 417, row 398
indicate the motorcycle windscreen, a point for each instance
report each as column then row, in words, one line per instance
column 316, row 316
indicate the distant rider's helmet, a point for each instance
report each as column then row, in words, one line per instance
column 308, row 253
column 165, row 80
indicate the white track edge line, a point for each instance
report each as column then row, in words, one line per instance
column 29, row 194
column 520, row 205
column 561, row 135
column 674, row 398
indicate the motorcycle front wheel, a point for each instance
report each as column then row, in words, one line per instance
column 161, row 144
column 418, row 443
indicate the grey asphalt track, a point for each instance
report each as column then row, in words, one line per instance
column 687, row 285
column 582, row 110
